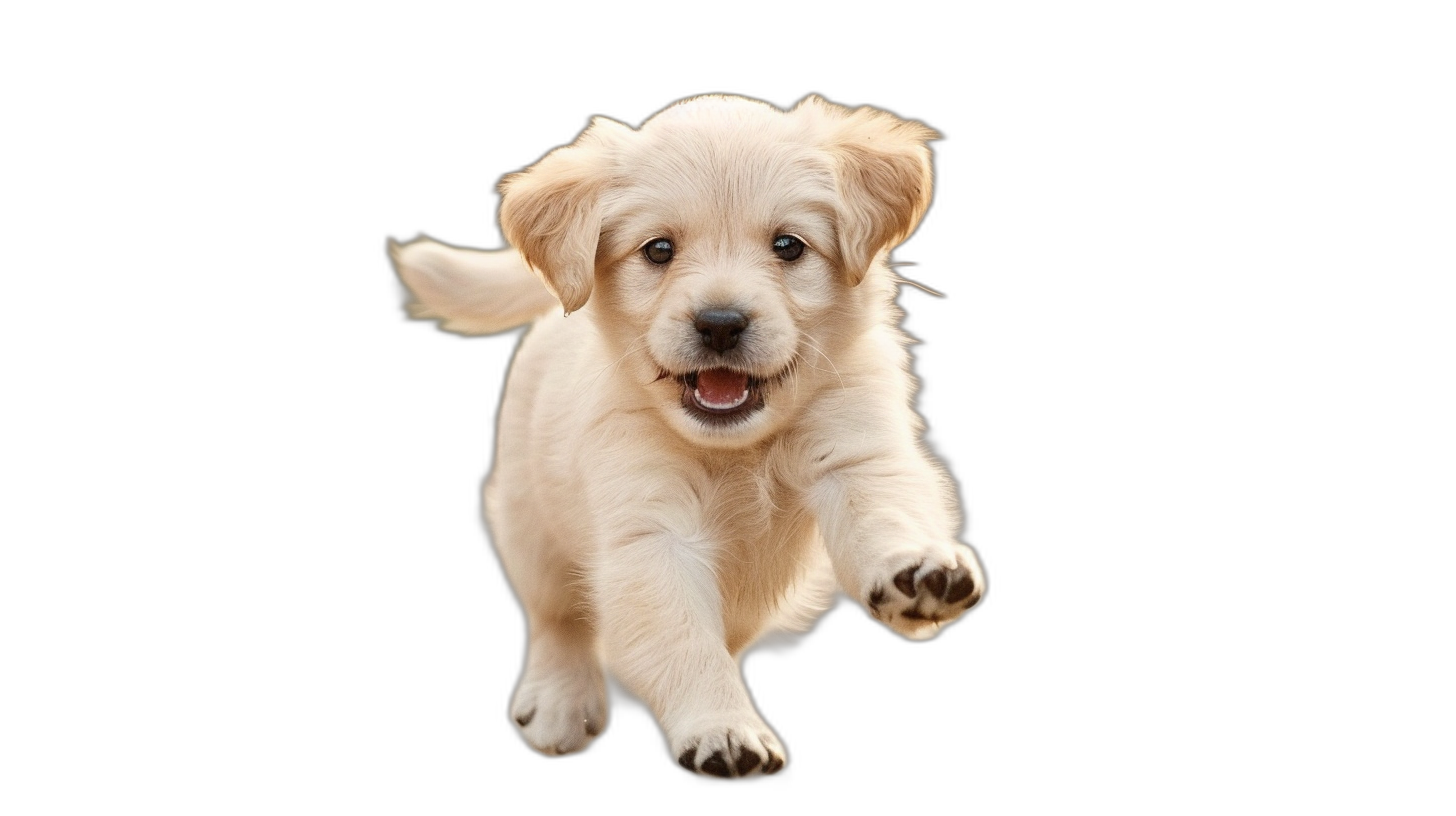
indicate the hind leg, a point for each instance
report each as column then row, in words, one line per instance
column 560, row 702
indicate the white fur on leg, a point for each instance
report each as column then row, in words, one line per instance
column 662, row 629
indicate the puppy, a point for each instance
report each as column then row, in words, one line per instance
column 708, row 427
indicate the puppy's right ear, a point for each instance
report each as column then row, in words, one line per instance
column 551, row 211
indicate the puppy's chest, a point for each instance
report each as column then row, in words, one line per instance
column 746, row 505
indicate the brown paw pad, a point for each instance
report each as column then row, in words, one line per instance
column 747, row 761
column 715, row 765
column 736, row 760
column 963, row 586
column 877, row 597
column 905, row 581
column 948, row 586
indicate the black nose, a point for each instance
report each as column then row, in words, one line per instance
column 720, row 328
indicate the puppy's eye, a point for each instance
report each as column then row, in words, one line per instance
column 659, row 251
column 788, row 248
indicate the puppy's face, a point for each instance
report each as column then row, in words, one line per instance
column 722, row 247
column 717, row 283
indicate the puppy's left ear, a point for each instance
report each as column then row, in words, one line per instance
column 882, row 166
column 551, row 211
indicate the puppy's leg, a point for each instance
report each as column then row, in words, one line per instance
column 661, row 622
column 560, row 702
column 888, row 516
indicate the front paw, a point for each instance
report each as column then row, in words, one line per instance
column 918, row 592
column 728, row 750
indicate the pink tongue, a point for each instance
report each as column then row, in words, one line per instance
column 719, row 386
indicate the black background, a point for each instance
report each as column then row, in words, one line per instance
column 405, row 644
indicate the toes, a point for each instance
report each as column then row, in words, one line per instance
column 905, row 581
column 747, row 761
column 556, row 727
column 962, row 586
column 877, row 597
column 947, row 585
column 732, row 759
column 934, row 582
column 715, row 765
column 712, row 763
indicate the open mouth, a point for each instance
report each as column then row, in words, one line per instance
column 720, row 395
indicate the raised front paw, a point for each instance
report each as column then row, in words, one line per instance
column 731, row 750
column 919, row 592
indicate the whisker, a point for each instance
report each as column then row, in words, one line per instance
column 821, row 353
column 901, row 280
column 922, row 287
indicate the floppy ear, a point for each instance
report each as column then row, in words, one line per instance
column 882, row 167
column 551, row 211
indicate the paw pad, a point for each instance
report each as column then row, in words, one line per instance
column 729, row 756
column 947, row 586
column 920, row 593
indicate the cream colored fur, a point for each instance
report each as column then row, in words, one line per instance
column 638, row 535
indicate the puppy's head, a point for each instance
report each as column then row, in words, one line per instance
column 723, row 249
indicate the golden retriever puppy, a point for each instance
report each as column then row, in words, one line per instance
column 708, row 426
